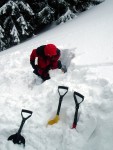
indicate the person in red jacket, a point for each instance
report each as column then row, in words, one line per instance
column 48, row 58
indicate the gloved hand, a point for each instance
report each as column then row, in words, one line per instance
column 36, row 67
column 64, row 69
column 35, row 71
column 32, row 62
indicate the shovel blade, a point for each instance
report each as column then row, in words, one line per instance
column 17, row 139
column 54, row 120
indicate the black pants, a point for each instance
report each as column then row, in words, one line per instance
column 42, row 77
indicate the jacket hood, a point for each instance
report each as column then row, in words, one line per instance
column 50, row 50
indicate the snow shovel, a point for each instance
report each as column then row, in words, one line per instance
column 78, row 99
column 17, row 138
column 56, row 118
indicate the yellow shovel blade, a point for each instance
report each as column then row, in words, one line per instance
column 53, row 121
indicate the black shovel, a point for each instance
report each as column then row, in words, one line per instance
column 78, row 99
column 18, row 138
column 56, row 118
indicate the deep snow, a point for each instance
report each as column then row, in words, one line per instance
column 86, row 46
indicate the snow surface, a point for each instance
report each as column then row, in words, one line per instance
column 86, row 44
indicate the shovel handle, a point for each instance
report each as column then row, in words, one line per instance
column 78, row 94
column 62, row 87
column 26, row 111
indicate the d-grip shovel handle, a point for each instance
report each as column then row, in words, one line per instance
column 61, row 97
column 79, row 95
column 62, row 87
column 26, row 111
column 24, row 119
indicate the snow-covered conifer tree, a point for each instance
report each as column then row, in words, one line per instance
column 45, row 16
column 14, row 35
column 2, row 39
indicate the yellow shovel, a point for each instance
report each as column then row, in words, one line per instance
column 62, row 93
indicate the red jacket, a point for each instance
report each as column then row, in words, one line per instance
column 44, row 62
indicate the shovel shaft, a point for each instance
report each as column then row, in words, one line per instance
column 76, row 116
column 21, row 126
column 59, row 105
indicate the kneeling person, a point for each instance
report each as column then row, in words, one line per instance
column 48, row 58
